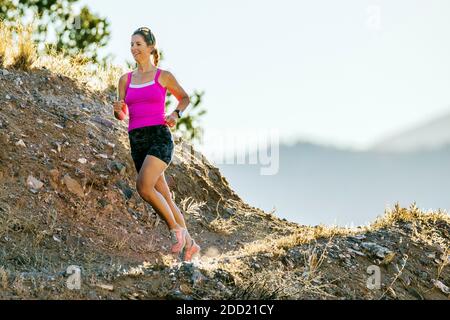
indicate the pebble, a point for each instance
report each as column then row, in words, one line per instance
column 34, row 183
column 376, row 249
column 21, row 143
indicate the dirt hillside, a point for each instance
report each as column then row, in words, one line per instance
column 68, row 198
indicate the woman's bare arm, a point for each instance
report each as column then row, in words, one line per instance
column 120, row 108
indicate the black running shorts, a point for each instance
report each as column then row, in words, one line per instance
column 154, row 140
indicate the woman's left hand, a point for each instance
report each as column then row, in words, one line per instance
column 171, row 120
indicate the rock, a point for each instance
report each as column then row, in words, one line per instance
column 82, row 160
column 197, row 277
column 106, row 286
column 256, row 266
column 126, row 191
column 375, row 249
column 34, row 183
column 438, row 284
column 359, row 253
column 5, row 72
column 230, row 211
column 66, row 165
column 18, row 82
column 178, row 295
column 21, row 143
column 73, row 186
column 116, row 166
column 102, row 121
column 431, row 255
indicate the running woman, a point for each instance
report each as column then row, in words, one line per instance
column 141, row 95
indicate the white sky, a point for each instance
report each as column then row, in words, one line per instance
column 328, row 71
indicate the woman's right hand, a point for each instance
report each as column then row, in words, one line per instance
column 118, row 106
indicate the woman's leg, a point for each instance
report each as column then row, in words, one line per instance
column 162, row 187
column 151, row 170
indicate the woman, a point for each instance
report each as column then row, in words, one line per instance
column 141, row 94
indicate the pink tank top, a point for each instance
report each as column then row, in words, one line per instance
column 146, row 103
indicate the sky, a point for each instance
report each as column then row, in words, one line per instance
column 347, row 73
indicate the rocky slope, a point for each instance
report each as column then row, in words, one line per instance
column 68, row 198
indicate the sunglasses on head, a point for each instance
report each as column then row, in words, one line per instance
column 144, row 29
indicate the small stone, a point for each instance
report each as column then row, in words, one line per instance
column 106, row 286
column 73, row 186
column 375, row 249
column 82, row 160
column 34, row 183
column 438, row 284
column 431, row 255
column 197, row 277
column 125, row 189
column 359, row 253
column 21, row 143
column 230, row 211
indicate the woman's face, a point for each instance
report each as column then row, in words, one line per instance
column 139, row 48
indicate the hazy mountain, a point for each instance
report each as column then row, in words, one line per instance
column 318, row 184
column 431, row 135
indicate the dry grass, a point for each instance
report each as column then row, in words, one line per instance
column 263, row 286
column 411, row 214
column 4, row 278
column 191, row 207
column 5, row 44
column 279, row 284
column 26, row 53
column 222, row 226
column 275, row 283
column 76, row 66
column 444, row 262
column 79, row 69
